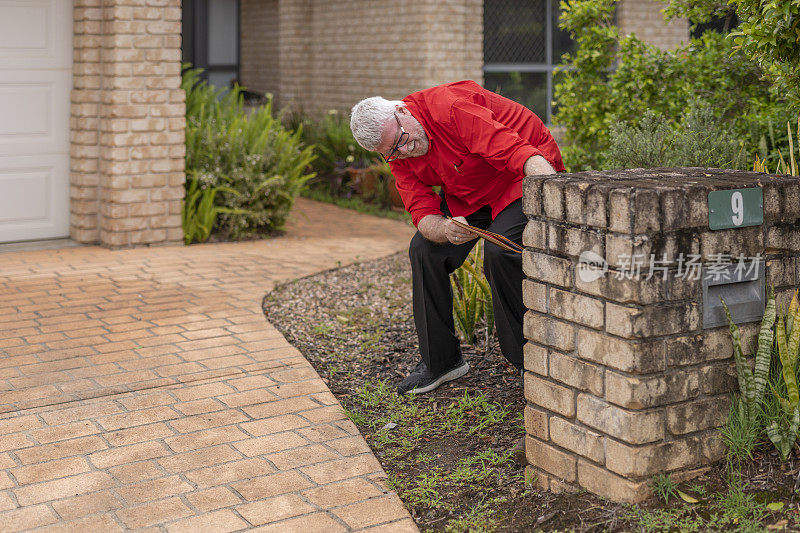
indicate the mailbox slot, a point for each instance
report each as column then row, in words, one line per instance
column 743, row 290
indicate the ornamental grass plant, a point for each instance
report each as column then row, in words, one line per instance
column 768, row 404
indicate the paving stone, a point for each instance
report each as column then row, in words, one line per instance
column 270, row 443
column 303, row 524
column 211, row 499
column 153, row 513
column 61, row 488
column 153, row 490
column 371, row 512
column 128, row 454
column 57, row 450
column 27, row 518
column 38, row 472
column 89, row 524
column 134, row 472
column 229, row 472
column 87, row 504
column 274, row 509
column 342, row 469
column 222, row 521
column 342, row 493
column 200, row 458
column 263, row 487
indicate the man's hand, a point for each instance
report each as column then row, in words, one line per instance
column 437, row 228
column 456, row 234
column 537, row 165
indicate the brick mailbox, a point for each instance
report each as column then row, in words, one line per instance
column 628, row 370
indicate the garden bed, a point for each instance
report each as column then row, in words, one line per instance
column 449, row 453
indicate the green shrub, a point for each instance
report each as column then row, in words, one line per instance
column 249, row 153
column 609, row 79
column 697, row 139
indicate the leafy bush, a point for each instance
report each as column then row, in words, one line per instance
column 610, row 79
column 697, row 139
column 768, row 34
column 335, row 148
column 249, row 153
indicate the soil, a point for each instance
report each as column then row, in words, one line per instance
column 354, row 324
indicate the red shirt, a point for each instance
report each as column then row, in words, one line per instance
column 479, row 142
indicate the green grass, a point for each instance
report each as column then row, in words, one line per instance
column 664, row 487
column 481, row 519
column 740, row 434
column 477, row 406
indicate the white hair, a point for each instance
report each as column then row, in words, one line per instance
column 368, row 118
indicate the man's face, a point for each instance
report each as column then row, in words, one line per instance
column 416, row 143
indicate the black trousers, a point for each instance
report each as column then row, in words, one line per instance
column 431, row 266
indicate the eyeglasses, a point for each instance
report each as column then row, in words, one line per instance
column 399, row 144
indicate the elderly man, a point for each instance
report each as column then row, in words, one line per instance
column 477, row 146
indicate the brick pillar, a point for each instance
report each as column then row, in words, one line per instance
column 85, row 121
column 622, row 380
column 128, row 123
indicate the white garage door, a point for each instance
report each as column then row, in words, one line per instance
column 35, row 84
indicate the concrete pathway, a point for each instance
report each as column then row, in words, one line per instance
column 144, row 389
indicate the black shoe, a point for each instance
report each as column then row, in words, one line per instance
column 422, row 380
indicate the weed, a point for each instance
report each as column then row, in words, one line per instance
column 355, row 417
column 740, row 433
column 425, row 458
column 371, row 396
column 321, row 329
column 486, row 412
column 679, row 519
column 699, row 489
column 479, row 467
column 426, row 491
column 530, row 478
column 371, row 341
column 664, row 486
column 480, row 519
column 736, row 504
column 472, row 297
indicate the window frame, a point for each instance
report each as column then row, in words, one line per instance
column 546, row 68
column 195, row 30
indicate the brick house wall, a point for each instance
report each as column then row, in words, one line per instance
column 333, row 53
column 259, row 61
column 644, row 18
column 127, row 123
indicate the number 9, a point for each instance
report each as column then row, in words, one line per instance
column 737, row 206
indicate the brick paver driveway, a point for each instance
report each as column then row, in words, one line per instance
column 144, row 389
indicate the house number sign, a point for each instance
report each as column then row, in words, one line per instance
column 735, row 208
